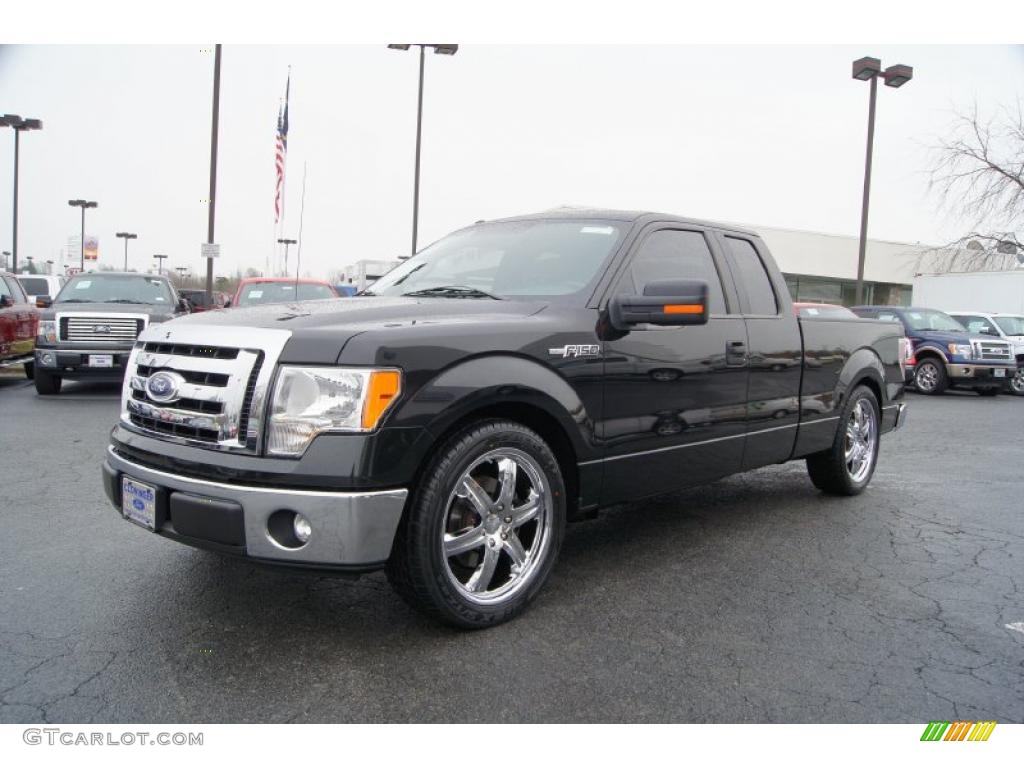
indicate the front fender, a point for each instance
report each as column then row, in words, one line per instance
column 491, row 380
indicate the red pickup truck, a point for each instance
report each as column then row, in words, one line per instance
column 19, row 323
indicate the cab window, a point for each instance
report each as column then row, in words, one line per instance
column 749, row 271
column 675, row 254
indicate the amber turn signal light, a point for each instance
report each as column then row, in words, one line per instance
column 383, row 389
column 684, row 309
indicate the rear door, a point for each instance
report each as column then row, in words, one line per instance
column 775, row 352
column 675, row 397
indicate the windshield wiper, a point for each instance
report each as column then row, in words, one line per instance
column 367, row 292
column 454, row 292
column 127, row 301
column 75, row 301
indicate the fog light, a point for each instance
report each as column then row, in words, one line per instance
column 303, row 530
column 47, row 358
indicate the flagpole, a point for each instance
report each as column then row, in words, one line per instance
column 302, row 211
column 284, row 184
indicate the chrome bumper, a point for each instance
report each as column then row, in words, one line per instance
column 901, row 416
column 350, row 529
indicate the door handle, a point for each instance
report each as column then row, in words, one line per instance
column 736, row 353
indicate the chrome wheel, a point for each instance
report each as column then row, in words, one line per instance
column 1017, row 382
column 497, row 526
column 861, row 440
column 926, row 377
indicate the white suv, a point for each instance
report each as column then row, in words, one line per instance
column 41, row 285
column 1009, row 328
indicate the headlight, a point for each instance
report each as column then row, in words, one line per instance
column 960, row 350
column 47, row 332
column 310, row 401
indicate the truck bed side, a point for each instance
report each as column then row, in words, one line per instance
column 839, row 354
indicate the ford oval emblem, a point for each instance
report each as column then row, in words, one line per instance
column 163, row 386
column 138, row 504
column 101, row 329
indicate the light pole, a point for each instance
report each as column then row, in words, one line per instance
column 870, row 69
column 49, row 266
column 286, row 242
column 126, row 236
column 215, row 122
column 159, row 262
column 19, row 125
column 83, row 204
column 444, row 49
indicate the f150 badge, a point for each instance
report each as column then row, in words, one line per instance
column 576, row 350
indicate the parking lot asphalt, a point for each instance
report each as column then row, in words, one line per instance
column 755, row 599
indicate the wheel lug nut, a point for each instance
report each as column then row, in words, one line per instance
column 508, row 519
column 504, row 535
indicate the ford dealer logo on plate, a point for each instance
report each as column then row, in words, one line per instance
column 163, row 386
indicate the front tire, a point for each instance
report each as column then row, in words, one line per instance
column 483, row 530
column 47, row 383
column 930, row 377
column 1016, row 385
column 30, row 371
column 846, row 468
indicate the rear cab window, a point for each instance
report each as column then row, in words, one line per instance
column 757, row 295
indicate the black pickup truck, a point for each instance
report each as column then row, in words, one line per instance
column 513, row 376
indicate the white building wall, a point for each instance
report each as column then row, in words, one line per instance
column 821, row 255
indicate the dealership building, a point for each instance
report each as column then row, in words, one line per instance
column 820, row 267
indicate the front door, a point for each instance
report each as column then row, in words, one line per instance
column 675, row 397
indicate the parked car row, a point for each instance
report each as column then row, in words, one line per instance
column 84, row 328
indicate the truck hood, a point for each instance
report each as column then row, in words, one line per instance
column 320, row 329
column 942, row 337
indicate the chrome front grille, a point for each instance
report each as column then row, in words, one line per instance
column 994, row 351
column 99, row 328
column 220, row 386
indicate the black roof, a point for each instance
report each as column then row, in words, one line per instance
column 611, row 214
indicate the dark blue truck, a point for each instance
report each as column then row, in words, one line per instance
column 947, row 355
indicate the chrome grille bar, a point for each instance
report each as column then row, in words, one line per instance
column 222, row 381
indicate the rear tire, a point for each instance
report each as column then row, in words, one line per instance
column 483, row 529
column 47, row 383
column 847, row 467
column 930, row 377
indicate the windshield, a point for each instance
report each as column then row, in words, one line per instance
column 35, row 286
column 550, row 258
column 116, row 289
column 829, row 312
column 268, row 293
column 931, row 320
column 1011, row 325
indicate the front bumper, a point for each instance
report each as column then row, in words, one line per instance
column 75, row 363
column 351, row 530
column 980, row 373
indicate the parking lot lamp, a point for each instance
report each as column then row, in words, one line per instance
column 19, row 124
column 870, row 69
column 83, row 204
column 444, row 49
column 159, row 262
column 126, row 236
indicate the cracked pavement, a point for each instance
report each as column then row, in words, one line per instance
column 755, row 599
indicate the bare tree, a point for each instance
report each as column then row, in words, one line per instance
column 978, row 177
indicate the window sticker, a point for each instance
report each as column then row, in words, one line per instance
column 82, row 284
column 597, row 230
column 255, row 294
column 812, row 310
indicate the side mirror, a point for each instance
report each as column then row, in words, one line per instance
column 227, row 303
column 44, row 302
column 6, row 301
column 183, row 305
column 664, row 302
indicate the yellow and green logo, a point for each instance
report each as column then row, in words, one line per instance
column 961, row 730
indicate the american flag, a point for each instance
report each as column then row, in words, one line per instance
column 281, row 151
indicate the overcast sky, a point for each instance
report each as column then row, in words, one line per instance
column 762, row 135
